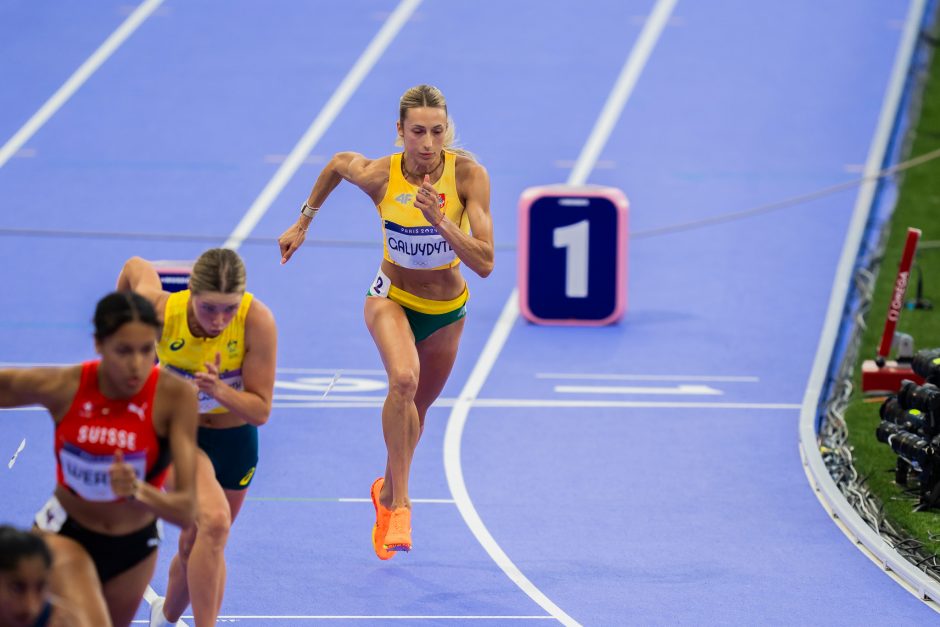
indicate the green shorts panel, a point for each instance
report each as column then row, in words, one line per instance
column 423, row 325
column 233, row 452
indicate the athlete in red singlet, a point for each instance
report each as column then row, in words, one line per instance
column 119, row 423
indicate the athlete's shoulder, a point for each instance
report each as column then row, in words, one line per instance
column 369, row 175
column 174, row 303
column 54, row 387
column 354, row 163
column 473, row 181
column 259, row 313
column 468, row 168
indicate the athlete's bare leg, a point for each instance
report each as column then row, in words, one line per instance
column 197, row 572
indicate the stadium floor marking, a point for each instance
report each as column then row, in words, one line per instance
column 453, row 436
column 521, row 403
column 311, row 402
column 648, row 377
column 681, row 390
column 364, row 64
column 375, row 617
column 77, row 79
column 314, row 499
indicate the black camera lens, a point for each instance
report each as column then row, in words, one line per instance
column 926, row 363
column 892, row 411
column 925, row 397
column 885, row 430
column 910, row 446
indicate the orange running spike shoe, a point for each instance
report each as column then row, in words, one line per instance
column 398, row 537
column 382, row 515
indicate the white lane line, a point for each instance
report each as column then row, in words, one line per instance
column 330, row 371
column 150, row 596
column 372, row 618
column 315, row 499
column 326, row 116
column 313, row 402
column 334, row 105
column 629, row 75
column 369, row 500
column 857, row 530
column 76, row 80
column 623, row 389
column 521, row 403
column 647, row 377
column 494, row 345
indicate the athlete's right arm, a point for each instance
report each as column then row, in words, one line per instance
column 138, row 275
column 32, row 386
column 369, row 175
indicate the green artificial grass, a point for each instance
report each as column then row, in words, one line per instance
column 918, row 206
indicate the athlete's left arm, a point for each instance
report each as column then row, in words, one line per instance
column 476, row 249
column 179, row 413
column 253, row 403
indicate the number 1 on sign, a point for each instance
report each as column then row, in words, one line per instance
column 574, row 238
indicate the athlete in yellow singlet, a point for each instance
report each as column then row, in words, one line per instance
column 434, row 203
column 225, row 341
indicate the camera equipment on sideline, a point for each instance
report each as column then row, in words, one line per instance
column 910, row 425
column 926, row 363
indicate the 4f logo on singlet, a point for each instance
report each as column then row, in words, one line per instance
column 405, row 199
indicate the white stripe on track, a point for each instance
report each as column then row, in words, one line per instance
column 76, row 80
column 334, row 105
column 324, row 119
column 647, row 377
column 235, row 618
column 458, row 416
column 847, row 519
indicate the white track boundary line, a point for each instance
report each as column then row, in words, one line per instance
column 513, row 403
column 825, row 488
column 334, row 105
column 458, row 417
column 77, row 79
column 647, row 377
column 324, row 119
column 363, row 617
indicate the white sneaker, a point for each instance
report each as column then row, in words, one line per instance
column 157, row 618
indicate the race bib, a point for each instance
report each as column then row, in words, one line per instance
column 232, row 378
column 417, row 247
column 87, row 474
column 380, row 285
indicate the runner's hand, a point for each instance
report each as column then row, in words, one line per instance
column 429, row 202
column 208, row 381
column 290, row 241
column 123, row 478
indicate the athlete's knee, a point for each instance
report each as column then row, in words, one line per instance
column 403, row 382
column 186, row 539
column 214, row 526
